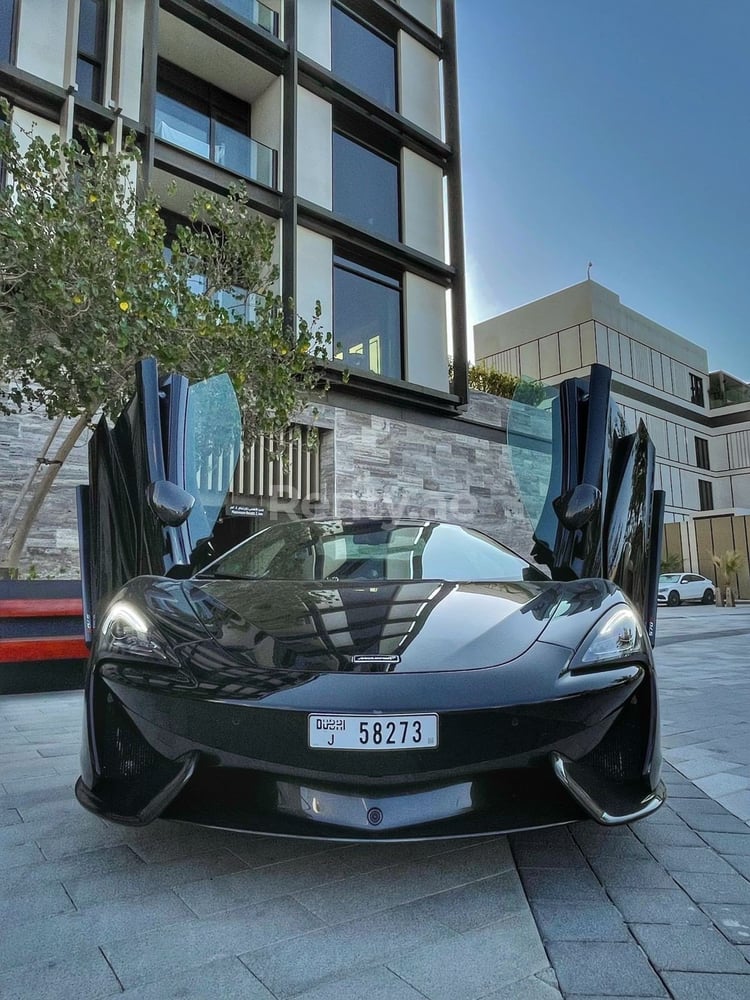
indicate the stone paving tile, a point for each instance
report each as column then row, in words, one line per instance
column 481, row 902
column 49, row 828
column 87, row 977
column 9, row 817
column 714, row 888
column 13, row 857
column 43, row 901
column 217, row 893
column 291, row 967
column 532, row 988
column 729, row 843
column 740, row 864
column 606, row 968
column 72, row 749
column 165, row 841
column 579, row 921
column 17, row 880
column 18, row 788
column 690, row 859
column 657, row 906
column 477, row 963
column 718, row 785
column 138, row 958
column 372, row 984
column 718, row 823
column 732, row 921
column 738, row 803
column 670, row 836
column 223, row 979
column 688, row 949
column 562, row 884
column 342, row 900
column 707, row 986
column 86, row 891
column 62, row 936
column 624, row 872
column 86, row 836
column 530, row 856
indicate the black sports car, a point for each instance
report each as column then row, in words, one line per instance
column 370, row 679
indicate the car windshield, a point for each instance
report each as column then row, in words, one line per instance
column 371, row 550
column 670, row 578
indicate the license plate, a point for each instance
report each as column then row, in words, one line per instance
column 373, row 732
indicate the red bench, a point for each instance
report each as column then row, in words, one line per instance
column 25, row 649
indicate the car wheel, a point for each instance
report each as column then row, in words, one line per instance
column 673, row 599
column 708, row 596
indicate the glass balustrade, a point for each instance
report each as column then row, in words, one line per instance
column 254, row 12
column 213, row 140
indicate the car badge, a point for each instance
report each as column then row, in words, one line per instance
column 366, row 658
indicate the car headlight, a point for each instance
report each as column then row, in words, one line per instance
column 617, row 636
column 125, row 631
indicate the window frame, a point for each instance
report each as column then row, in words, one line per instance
column 219, row 106
column 706, row 494
column 697, row 390
column 702, row 455
column 352, row 263
column 14, row 8
column 381, row 154
column 341, row 8
column 95, row 59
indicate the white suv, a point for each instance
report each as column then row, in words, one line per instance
column 674, row 588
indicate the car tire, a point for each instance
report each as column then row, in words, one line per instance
column 708, row 596
column 673, row 599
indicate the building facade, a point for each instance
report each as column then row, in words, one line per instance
column 340, row 118
column 698, row 420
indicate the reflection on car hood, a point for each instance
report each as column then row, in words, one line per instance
column 411, row 626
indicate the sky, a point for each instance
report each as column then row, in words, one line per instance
column 616, row 132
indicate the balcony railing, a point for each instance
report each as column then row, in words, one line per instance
column 254, row 12
column 182, row 126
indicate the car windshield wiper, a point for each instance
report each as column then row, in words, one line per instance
column 225, row 576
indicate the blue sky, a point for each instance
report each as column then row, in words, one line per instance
column 617, row 132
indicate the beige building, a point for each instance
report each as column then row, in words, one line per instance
column 698, row 420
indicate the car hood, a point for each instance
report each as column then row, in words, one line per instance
column 415, row 626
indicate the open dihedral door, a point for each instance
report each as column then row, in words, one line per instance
column 157, row 481
column 588, row 487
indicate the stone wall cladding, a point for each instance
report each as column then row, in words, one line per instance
column 369, row 464
column 380, row 464
column 52, row 547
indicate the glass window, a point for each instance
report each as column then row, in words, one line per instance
column 366, row 319
column 365, row 187
column 7, row 22
column 208, row 122
column 696, row 390
column 92, row 43
column 255, row 12
column 362, row 58
column 701, row 453
column 706, row 494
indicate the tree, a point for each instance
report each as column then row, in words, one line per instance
column 87, row 288
column 671, row 563
column 728, row 565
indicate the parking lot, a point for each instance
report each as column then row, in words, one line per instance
column 661, row 909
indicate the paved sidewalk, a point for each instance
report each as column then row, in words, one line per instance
column 662, row 909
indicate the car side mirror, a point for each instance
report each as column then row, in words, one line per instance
column 578, row 506
column 169, row 502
